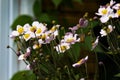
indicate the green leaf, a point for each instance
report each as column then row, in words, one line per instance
column 56, row 2
column 99, row 49
column 117, row 75
column 44, row 17
column 24, row 75
column 87, row 44
column 80, row 1
column 76, row 77
column 76, row 51
column 37, row 8
column 21, row 20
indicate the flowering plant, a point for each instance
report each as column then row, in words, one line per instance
column 55, row 53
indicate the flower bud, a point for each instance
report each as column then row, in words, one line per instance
column 83, row 22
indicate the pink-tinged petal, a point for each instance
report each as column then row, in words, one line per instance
column 74, row 28
column 28, row 67
column 80, row 62
column 82, row 79
column 26, row 27
column 95, row 43
column 28, row 50
column 83, row 22
column 116, row 6
column 35, row 23
column 14, row 34
column 112, row 3
column 103, row 32
column 104, row 19
column 22, row 57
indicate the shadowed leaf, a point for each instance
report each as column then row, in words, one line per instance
column 24, row 75
column 21, row 20
column 37, row 8
column 56, row 2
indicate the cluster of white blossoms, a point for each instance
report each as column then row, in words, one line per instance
column 38, row 33
column 69, row 39
column 111, row 10
column 106, row 31
column 37, row 30
column 107, row 12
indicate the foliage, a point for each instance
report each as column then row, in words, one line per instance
column 53, row 52
column 24, row 75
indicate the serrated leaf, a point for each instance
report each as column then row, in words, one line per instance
column 37, row 8
column 21, row 20
column 24, row 75
column 56, row 2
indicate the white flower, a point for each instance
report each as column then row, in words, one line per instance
column 44, row 36
column 39, row 28
column 103, row 11
column 82, row 79
column 20, row 29
column 54, row 28
column 28, row 50
column 27, row 36
column 36, row 46
column 103, row 32
column 14, row 34
column 35, row 24
column 104, row 19
column 61, row 48
column 116, row 6
column 41, row 41
column 112, row 3
column 95, row 43
column 70, row 38
column 107, row 31
column 80, row 62
column 22, row 57
column 28, row 67
column 55, row 33
column 117, row 14
column 110, row 28
column 106, row 13
column 26, row 27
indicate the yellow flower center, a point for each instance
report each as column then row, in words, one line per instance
column 108, row 30
column 104, row 11
column 79, row 62
column 53, row 29
column 38, row 31
column 118, row 12
column 69, row 40
column 20, row 30
column 36, row 46
column 63, row 48
column 43, row 36
column 26, row 36
column 33, row 28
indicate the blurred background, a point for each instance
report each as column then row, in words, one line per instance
column 13, row 12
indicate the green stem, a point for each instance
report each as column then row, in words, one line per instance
column 17, row 55
column 68, row 71
column 104, row 71
column 86, row 69
column 96, row 72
